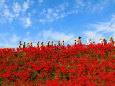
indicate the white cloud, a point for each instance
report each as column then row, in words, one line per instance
column 25, row 6
column 101, row 29
column 42, row 20
column 49, row 34
column 105, row 27
column 63, row 6
column 100, row 5
column 49, row 10
column 80, row 3
column 2, row 2
column 40, row 1
column 18, row 12
column 93, row 35
column 17, row 9
column 6, row 45
column 59, row 12
column 92, row 6
column 14, row 38
column 8, row 15
column 10, row 42
column 26, row 22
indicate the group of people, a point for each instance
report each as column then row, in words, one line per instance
column 50, row 43
column 102, row 41
column 61, row 43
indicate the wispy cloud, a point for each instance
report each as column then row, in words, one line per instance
column 100, row 5
column 101, row 29
column 54, row 35
column 52, row 14
column 2, row 3
column 14, row 38
column 26, row 22
column 14, row 11
column 7, row 15
column 105, row 27
column 93, row 35
column 92, row 5
column 80, row 3
column 40, row 1
column 11, row 41
column 25, row 6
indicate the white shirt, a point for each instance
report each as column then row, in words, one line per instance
column 101, row 41
column 89, row 42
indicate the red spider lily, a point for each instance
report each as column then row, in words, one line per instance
column 71, row 65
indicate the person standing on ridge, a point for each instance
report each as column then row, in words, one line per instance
column 63, row 43
column 48, row 44
column 93, row 42
column 79, row 40
column 75, row 42
column 104, row 41
column 111, row 41
column 31, row 44
column 20, row 44
column 59, row 43
column 52, row 43
column 38, row 44
column 24, row 45
column 89, row 42
column 42, row 43
column 27, row 45
column 101, row 41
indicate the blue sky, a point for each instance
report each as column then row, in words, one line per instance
column 44, row 20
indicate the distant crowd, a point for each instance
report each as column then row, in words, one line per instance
column 78, row 41
column 102, row 41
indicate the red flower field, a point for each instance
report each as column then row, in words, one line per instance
column 72, row 65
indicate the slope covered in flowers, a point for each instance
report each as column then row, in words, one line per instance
column 76, row 65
